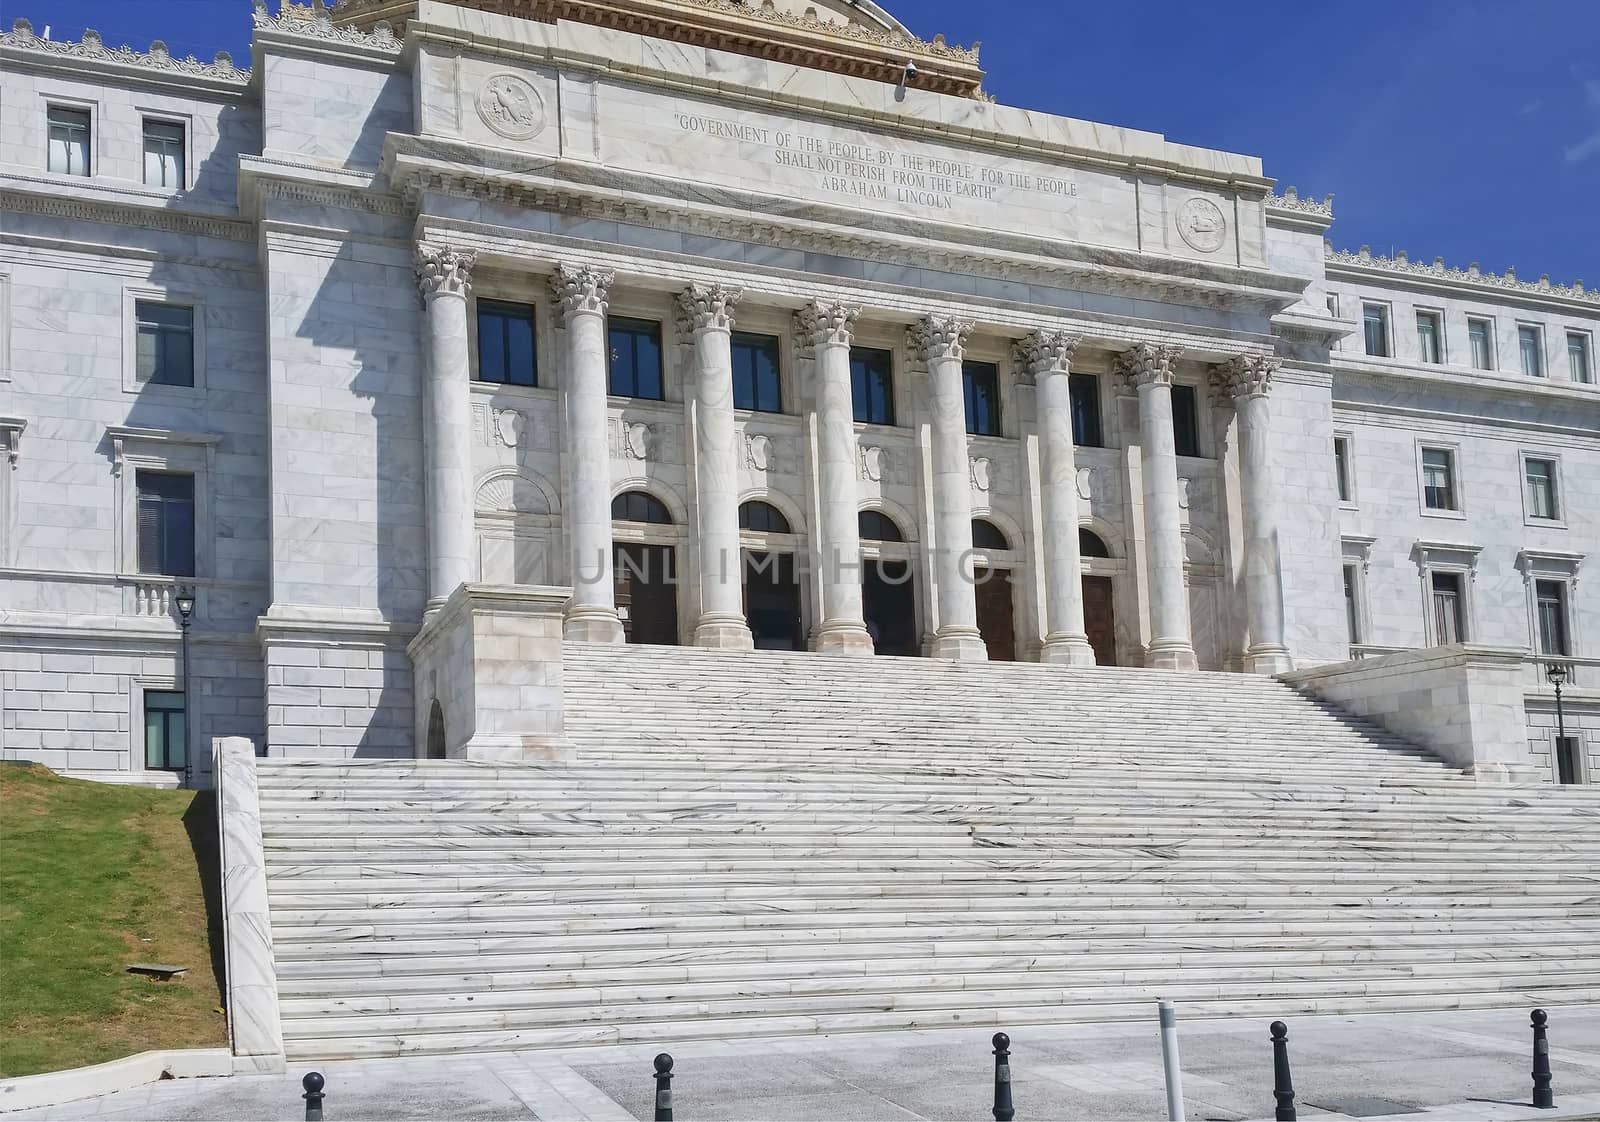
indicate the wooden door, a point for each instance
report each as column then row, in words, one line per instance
column 647, row 592
column 1099, row 619
column 995, row 620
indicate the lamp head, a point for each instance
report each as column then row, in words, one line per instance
column 184, row 601
column 1556, row 672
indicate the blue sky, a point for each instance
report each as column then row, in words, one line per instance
column 1463, row 128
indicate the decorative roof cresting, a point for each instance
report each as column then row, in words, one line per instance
column 1401, row 263
column 92, row 48
column 1291, row 200
column 808, row 20
column 314, row 20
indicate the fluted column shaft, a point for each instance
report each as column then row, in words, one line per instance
column 706, row 314
column 828, row 329
column 942, row 344
column 1249, row 378
column 1149, row 367
column 1047, row 356
column 443, row 276
column 581, row 299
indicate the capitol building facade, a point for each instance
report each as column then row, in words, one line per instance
column 729, row 325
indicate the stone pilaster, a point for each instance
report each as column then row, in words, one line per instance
column 1247, row 379
column 1046, row 356
column 940, row 342
column 1148, row 368
column 581, row 295
column 443, row 276
column 828, row 329
column 705, row 314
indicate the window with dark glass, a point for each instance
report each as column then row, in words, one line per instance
column 1375, row 326
column 1352, row 614
column 1090, row 544
column 1551, row 598
column 505, row 343
column 1185, row 421
column 756, row 382
column 1428, row 332
column 875, row 526
column 1085, row 393
column 635, row 357
column 163, row 154
column 986, row 535
column 69, row 140
column 1541, row 480
column 1530, row 344
column 1480, row 335
column 1438, row 479
column 980, row 382
column 1568, row 770
column 762, row 518
column 1449, row 616
column 637, row 506
column 1578, row 356
column 164, row 343
column 1341, row 466
column 164, row 720
column 872, row 385
column 165, row 512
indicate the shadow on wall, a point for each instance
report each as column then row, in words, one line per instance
column 200, row 823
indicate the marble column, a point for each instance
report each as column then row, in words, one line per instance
column 828, row 329
column 1046, row 356
column 706, row 315
column 1248, row 378
column 941, row 343
column 581, row 294
column 443, row 276
column 1149, row 368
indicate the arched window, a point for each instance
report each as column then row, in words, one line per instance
column 636, row 506
column 875, row 526
column 762, row 518
column 1090, row 545
column 986, row 535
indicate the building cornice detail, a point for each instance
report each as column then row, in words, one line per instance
column 125, row 214
column 1471, row 276
column 91, row 48
column 1291, row 200
column 315, row 22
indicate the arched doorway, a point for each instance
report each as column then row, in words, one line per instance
column 771, row 583
column 1099, row 603
column 436, row 746
column 888, row 600
column 992, row 562
column 645, row 565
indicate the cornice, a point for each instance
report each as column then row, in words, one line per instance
column 314, row 25
column 1292, row 201
column 1365, row 263
column 124, row 214
column 155, row 63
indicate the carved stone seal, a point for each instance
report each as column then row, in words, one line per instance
column 511, row 107
column 1201, row 224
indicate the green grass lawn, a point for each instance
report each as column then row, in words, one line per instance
column 94, row 877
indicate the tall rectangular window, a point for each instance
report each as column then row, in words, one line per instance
column 1352, row 608
column 1085, row 395
column 1185, row 421
column 1480, row 334
column 506, row 352
column 1333, row 304
column 1341, row 466
column 1428, row 332
column 872, row 385
column 756, row 382
column 69, row 140
column 1567, row 767
column 635, row 358
column 165, row 511
column 1550, row 599
column 163, row 154
column 1438, row 479
column 1530, row 343
column 1541, row 480
column 164, row 343
column 1578, row 356
column 1375, row 325
column 980, row 384
column 165, row 742
column 1449, row 619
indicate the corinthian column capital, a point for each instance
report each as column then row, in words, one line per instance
column 581, row 288
column 1146, row 364
column 819, row 324
column 935, row 337
column 1247, row 375
column 1045, row 352
column 707, row 306
column 442, row 270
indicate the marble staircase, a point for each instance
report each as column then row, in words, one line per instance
column 760, row 844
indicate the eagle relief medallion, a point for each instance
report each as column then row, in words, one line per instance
column 511, row 107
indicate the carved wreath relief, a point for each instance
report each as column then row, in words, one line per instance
column 758, row 451
column 982, row 470
column 511, row 107
column 1201, row 224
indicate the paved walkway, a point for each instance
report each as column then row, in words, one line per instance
column 1472, row 1066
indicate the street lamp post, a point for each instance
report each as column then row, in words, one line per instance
column 184, row 601
column 1557, row 673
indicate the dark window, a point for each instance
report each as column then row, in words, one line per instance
column 1449, row 616
column 762, row 518
column 505, row 344
column 636, row 506
column 756, row 383
column 1185, row 421
column 872, row 385
column 635, row 357
column 1541, row 479
column 1567, row 769
column 1552, row 603
column 1438, row 479
column 986, row 535
column 1352, row 608
column 1091, row 545
column 164, row 740
column 68, row 140
column 875, row 526
column 1085, row 391
column 1341, row 466
column 1375, row 327
column 164, row 344
column 980, row 381
column 163, row 154
column 166, row 523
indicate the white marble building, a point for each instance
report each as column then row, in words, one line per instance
column 435, row 295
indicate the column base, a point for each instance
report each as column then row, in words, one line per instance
column 592, row 625
column 723, row 632
column 1268, row 660
column 1067, row 650
column 963, row 644
column 1171, row 655
column 844, row 638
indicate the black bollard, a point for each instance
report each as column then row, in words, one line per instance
column 1282, row 1087
column 313, row 1083
column 664, row 1088
column 1003, row 1110
column 1543, row 1097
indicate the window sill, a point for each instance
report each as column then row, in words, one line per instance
column 1430, row 512
column 1544, row 523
